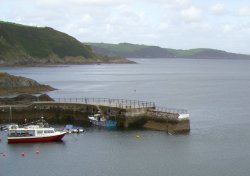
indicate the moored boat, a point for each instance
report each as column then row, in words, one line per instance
column 102, row 121
column 33, row 133
column 4, row 127
column 72, row 129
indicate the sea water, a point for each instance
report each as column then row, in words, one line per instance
column 215, row 92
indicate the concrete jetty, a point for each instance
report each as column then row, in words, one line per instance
column 128, row 113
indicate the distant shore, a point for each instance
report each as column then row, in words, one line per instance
column 130, row 50
column 64, row 64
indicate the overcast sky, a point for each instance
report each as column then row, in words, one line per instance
column 179, row 24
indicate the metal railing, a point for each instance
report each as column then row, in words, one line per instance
column 119, row 103
column 171, row 110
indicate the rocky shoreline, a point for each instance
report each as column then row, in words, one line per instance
column 10, row 84
column 54, row 61
column 23, row 99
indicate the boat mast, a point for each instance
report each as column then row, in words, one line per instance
column 10, row 118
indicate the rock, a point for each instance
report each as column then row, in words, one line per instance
column 45, row 97
column 24, row 99
column 17, row 84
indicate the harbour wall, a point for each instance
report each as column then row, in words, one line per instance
column 77, row 113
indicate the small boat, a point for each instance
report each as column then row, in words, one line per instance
column 4, row 128
column 72, row 129
column 33, row 133
column 102, row 121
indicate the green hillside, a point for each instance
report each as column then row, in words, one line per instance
column 122, row 47
column 22, row 45
column 144, row 51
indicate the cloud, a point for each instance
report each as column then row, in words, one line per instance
column 175, row 4
column 191, row 14
column 80, row 2
column 227, row 28
column 169, row 23
column 218, row 9
column 244, row 11
column 246, row 29
column 182, row 3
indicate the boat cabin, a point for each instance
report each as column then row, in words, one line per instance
column 32, row 130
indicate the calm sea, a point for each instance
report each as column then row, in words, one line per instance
column 215, row 92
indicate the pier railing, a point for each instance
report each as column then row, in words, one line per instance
column 171, row 110
column 119, row 103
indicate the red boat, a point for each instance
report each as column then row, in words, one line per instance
column 33, row 133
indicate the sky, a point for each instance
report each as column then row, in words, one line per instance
column 178, row 24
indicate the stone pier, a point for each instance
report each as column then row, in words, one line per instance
column 128, row 113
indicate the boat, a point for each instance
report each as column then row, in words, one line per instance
column 99, row 120
column 33, row 133
column 4, row 127
column 72, row 129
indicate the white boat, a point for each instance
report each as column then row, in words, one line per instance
column 33, row 133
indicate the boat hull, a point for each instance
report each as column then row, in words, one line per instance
column 36, row 139
column 97, row 123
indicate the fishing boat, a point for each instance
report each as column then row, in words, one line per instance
column 33, row 133
column 99, row 120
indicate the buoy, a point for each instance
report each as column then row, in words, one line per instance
column 37, row 152
column 22, row 154
column 137, row 136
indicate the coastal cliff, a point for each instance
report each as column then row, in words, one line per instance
column 22, row 45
